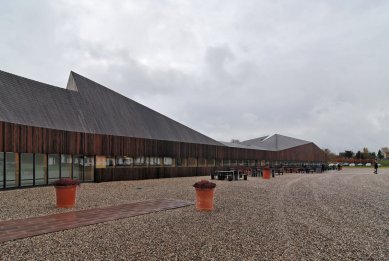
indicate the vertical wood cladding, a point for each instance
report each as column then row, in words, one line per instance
column 21, row 138
column 2, row 136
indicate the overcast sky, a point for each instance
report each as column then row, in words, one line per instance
column 314, row 70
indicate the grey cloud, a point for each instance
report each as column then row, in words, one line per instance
column 315, row 70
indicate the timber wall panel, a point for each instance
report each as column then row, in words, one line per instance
column 2, row 136
column 20, row 138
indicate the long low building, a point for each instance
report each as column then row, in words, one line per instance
column 92, row 133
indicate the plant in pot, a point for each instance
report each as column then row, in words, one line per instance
column 65, row 190
column 266, row 172
column 204, row 195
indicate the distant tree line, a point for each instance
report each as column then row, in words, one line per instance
column 364, row 155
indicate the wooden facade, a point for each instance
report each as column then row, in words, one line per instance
column 27, row 139
column 47, row 132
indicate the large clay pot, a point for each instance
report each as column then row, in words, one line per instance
column 266, row 173
column 204, row 199
column 66, row 196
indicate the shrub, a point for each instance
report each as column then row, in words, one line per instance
column 204, row 184
column 66, row 182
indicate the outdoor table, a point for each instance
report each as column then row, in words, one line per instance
column 223, row 174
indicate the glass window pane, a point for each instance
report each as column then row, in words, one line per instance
column 124, row 161
column 168, row 161
column 89, row 165
column 140, row 161
column 226, row 163
column 27, row 169
column 53, row 162
column 218, row 162
column 78, row 163
column 154, row 161
column 12, row 177
column 181, row 162
column 100, row 162
column 66, row 166
column 210, row 162
column 110, row 162
column 1, row 170
column 40, row 169
column 192, row 162
column 202, row 162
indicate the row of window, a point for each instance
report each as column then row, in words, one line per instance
column 111, row 162
column 28, row 169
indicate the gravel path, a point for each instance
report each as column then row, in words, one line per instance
column 333, row 216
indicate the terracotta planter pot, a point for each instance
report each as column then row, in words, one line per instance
column 266, row 173
column 66, row 196
column 204, row 199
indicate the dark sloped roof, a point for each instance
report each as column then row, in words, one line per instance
column 86, row 106
column 276, row 142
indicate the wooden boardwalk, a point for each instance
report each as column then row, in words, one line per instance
column 28, row 227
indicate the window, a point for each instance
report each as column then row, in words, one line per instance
column 78, row 165
column 40, row 169
column 211, row 162
column 154, row 161
column 181, row 162
column 218, row 162
column 110, row 162
column 53, row 162
column 140, row 161
column 202, row 162
column 12, row 170
column 124, row 161
column 226, row 163
column 233, row 163
column 27, row 169
column 100, row 162
column 89, row 165
column 168, row 161
column 66, row 166
column 192, row 162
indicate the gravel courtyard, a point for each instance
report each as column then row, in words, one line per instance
column 332, row 216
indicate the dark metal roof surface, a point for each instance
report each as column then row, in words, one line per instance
column 86, row 106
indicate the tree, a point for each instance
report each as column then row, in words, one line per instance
column 329, row 154
column 348, row 154
column 380, row 155
column 359, row 155
column 366, row 154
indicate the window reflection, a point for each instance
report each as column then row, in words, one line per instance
column 53, row 164
column 66, row 166
column 11, row 165
column 110, row 162
column 40, row 169
column 124, row 161
column 154, row 161
column 168, row 161
column 140, row 161
column 192, row 162
column 27, row 169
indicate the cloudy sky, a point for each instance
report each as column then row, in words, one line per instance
column 315, row 70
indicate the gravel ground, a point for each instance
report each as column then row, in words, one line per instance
column 333, row 216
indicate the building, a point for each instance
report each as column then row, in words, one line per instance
column 92, row 133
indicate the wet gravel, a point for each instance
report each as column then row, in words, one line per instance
column 332, row 216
